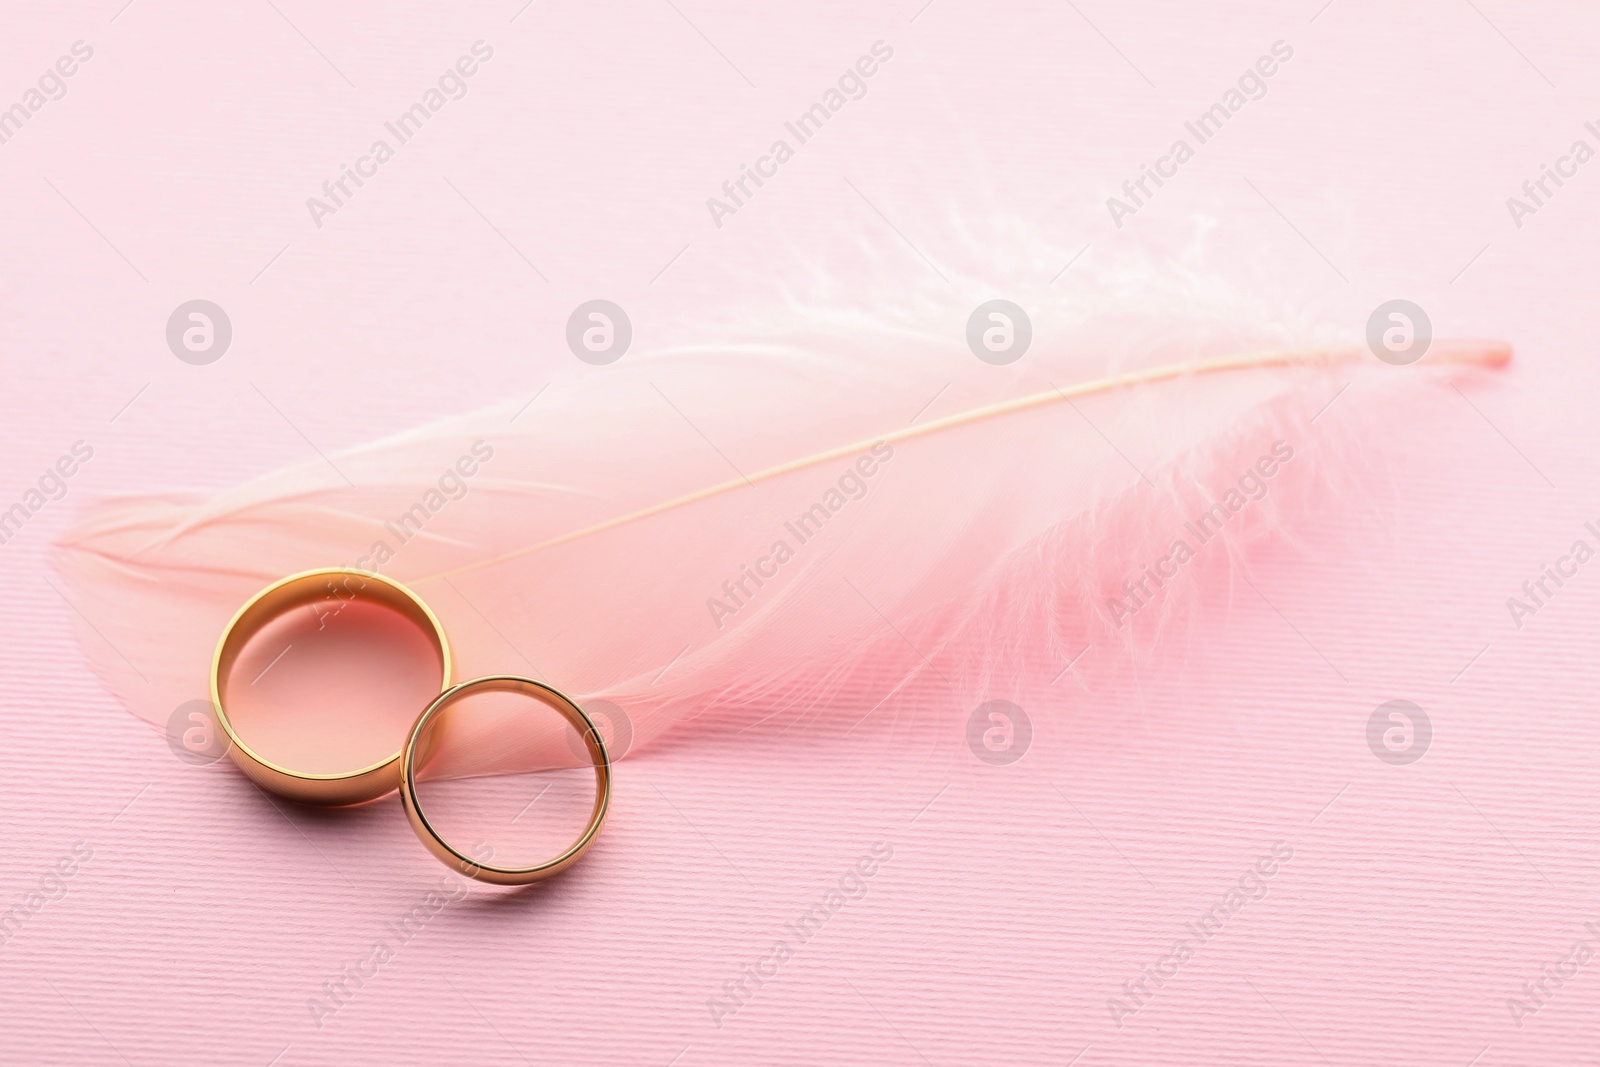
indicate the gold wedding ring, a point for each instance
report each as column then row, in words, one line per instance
column 328, row 589
column 424, row 739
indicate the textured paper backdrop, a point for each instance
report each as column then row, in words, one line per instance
column 1018, row 900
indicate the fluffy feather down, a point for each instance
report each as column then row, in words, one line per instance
column 661, row 533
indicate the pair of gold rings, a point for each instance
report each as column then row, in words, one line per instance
column 314, row 589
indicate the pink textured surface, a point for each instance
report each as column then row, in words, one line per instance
column 1019, row 899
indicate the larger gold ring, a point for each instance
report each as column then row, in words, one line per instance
column 423, row 741
column 310, row 588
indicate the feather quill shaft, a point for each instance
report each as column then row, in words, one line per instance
column 1469, row 353
column 599, row 548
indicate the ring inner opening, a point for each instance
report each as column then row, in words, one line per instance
column 504, row 778
column 334, row 676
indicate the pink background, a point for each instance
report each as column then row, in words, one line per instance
column 1018, row 899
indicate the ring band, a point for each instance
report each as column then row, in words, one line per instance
column 310, row 588
column 421, row 743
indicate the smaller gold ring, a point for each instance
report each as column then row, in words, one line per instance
column 420, row 745
column 300, row 590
